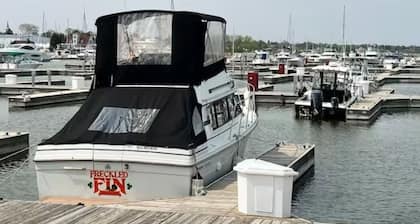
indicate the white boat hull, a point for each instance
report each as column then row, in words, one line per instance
column 131, row 181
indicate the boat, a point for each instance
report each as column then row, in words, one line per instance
column 283, row 56
column 163, row 117
column 24, row 49
column 372, row 57
column 329, row 55
column 329, row 96
column 391, row 61
column 262, row 58
column 19, row 63
column 13, row 142
column 293, row 63
column 311, row 58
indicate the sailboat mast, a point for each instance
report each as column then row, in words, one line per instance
column 289, row 30
column 84, row 28
column 344, row 33
column 172, row 5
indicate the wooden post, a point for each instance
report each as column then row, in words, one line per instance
column 33, row 73
column 49, row 77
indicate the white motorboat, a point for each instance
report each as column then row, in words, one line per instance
column 312, row 58
column 329, row 55
column 372, row 57
column 391, row 61
column 24, row 49
column 262, row 58
column 160, row 116
column 283, row 56
column 329, row 96
column 19, row 63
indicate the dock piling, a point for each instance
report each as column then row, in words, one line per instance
column 49, row 77
column 33, row 74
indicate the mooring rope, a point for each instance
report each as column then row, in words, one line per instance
column 16, row 170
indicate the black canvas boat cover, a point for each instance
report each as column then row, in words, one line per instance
column 163, row 117
column 158, row 47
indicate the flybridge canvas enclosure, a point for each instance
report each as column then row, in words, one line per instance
column 161, row 117
column 158, row 47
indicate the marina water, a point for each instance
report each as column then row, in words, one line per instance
column 363, row 173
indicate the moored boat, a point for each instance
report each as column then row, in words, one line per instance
column 162, row 113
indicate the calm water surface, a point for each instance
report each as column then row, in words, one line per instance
column 363, row 173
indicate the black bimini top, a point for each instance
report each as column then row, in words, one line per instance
column 158, row 47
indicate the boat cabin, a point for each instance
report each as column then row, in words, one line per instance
column 332, row 82
column 158, row 47
column 147, row 66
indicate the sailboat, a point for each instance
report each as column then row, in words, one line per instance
column 162, row 113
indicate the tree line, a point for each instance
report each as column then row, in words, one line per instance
column 56, row 38
column 248, row 44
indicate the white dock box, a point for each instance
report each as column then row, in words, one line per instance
column 264, row 188
column 10, row 79
column 77, row 82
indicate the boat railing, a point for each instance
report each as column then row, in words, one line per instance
column 247, row 97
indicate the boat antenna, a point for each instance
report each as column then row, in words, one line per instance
column 172, row 5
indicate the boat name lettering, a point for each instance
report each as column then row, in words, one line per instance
column 108, row 182
column 108, row 173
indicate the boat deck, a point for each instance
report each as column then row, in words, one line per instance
column 219, row 205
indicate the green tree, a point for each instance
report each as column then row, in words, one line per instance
column 48, row 34
column 28, row 29
column 56, row 39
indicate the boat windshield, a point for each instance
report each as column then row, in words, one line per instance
column 261, row 56
column 144, row 39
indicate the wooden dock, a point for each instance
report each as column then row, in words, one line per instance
column 45, row 72
column 8, row 89
column 21, row 212
column 275, row 97
column 218, row 206
column 11, row 142
column 42, row 99
column 371, row 106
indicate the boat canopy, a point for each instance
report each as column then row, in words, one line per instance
column 158, row 47
column 159, row 117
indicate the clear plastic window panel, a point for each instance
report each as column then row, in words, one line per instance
column 144, row 39
column 237, row 102
column 116, row 120
column 197, row 122
column 212, row 113
column 215, row 42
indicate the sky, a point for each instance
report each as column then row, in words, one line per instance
column 393, row 22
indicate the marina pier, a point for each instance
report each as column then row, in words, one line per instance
column 305, row 112
column 217, row 206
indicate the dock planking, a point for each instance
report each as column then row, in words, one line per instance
column 218, row 206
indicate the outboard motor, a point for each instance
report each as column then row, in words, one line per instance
column 334, row 103
column 316, row 104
